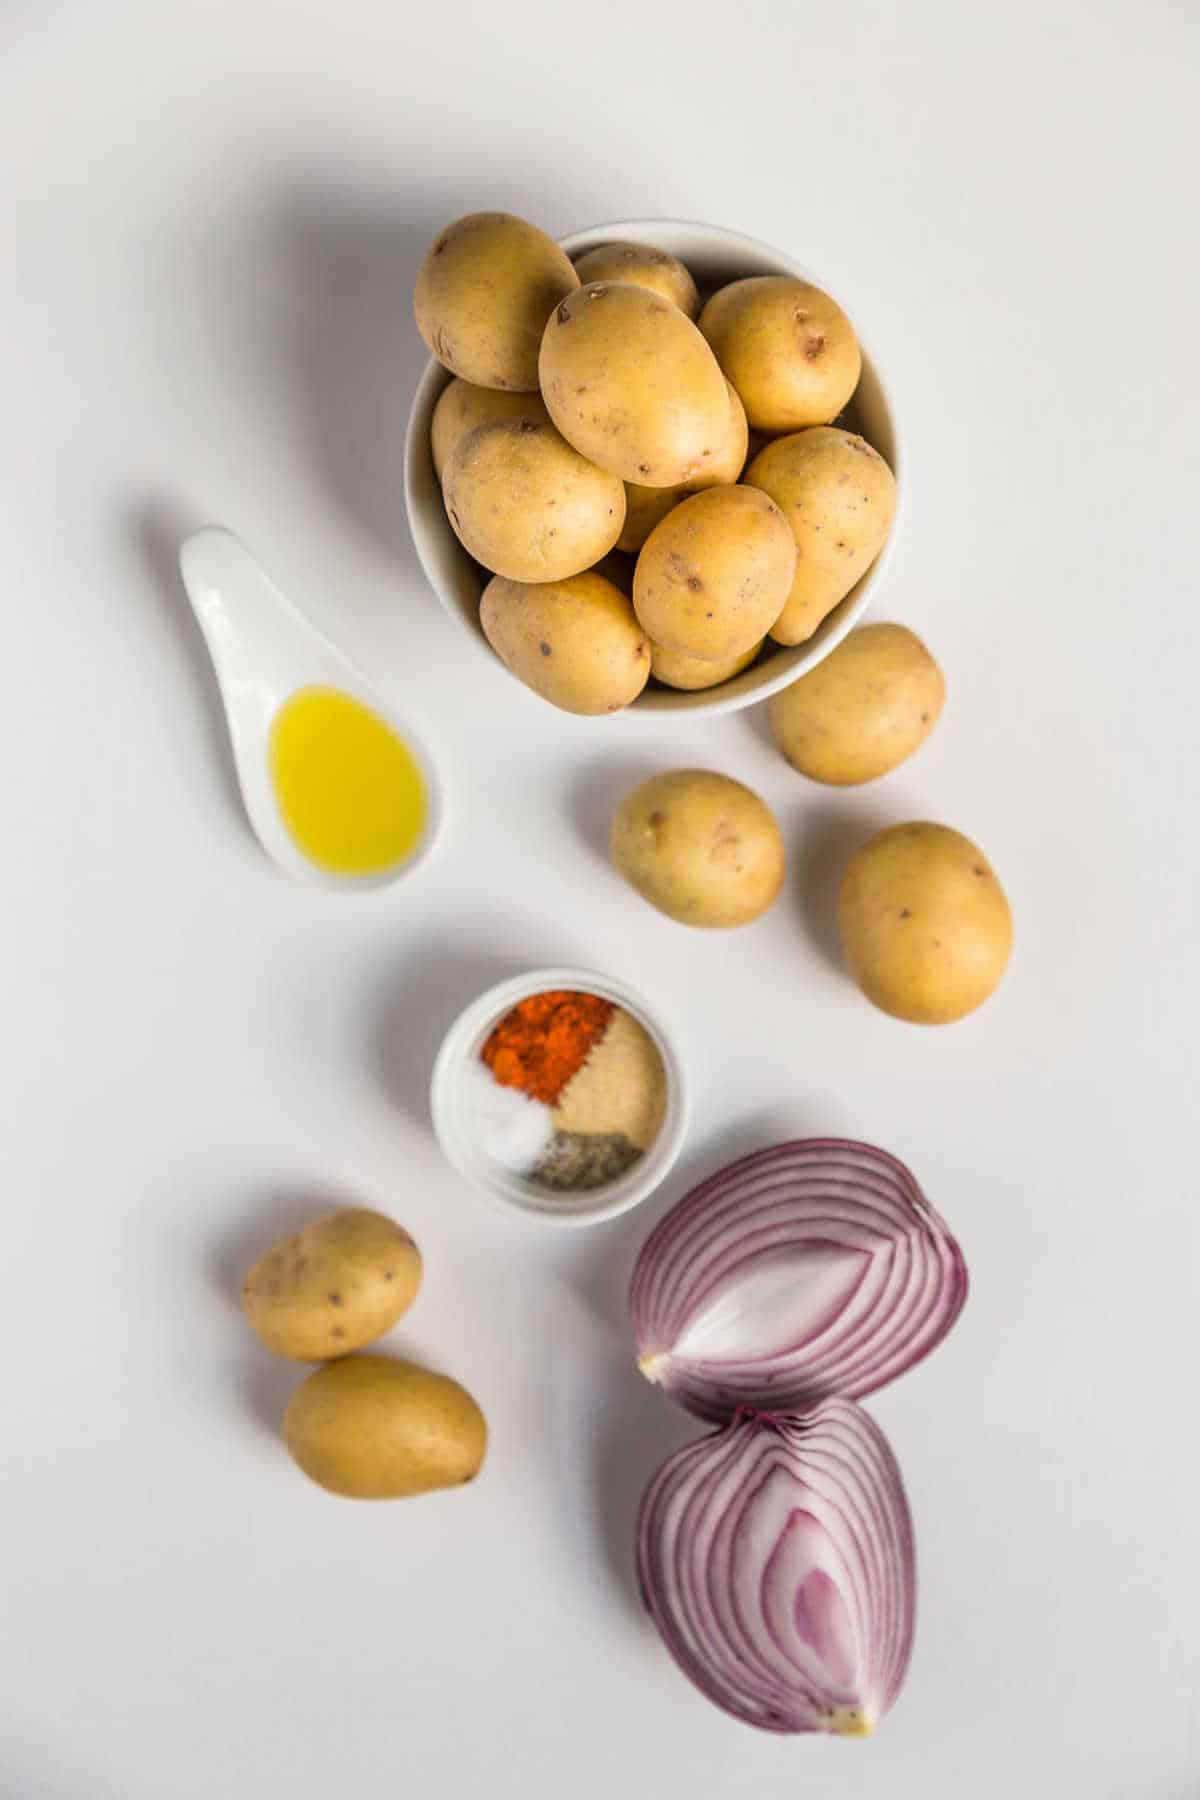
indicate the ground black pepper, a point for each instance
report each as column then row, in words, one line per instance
column 577, row 1160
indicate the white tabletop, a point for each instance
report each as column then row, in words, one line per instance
column 211, row 221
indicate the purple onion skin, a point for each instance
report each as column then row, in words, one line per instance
column 830, row 1193
column 776, row 1559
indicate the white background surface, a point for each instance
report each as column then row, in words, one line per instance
column 211, row 220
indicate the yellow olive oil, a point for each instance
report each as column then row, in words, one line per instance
column 350, row 790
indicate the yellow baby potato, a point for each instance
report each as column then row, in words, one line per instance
column 700, row 847
column 577, row 643
column 643, row 267
column 483, row 295
column 727, row 465
column 864, row 710
column 713, row 577
column 788, row 348
column 338, row 1284
column 676, row 670
column 461, row 407
column 671, row 667
column 925, row 925
column 526, row 505
column 372, row 1428
column 631, row 383
column 646, row 507
column 839, row 497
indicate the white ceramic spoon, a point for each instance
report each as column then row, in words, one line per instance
column 264, row 650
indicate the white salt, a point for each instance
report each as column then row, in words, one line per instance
column 513, row 1128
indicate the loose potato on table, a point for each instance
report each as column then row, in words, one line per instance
column 925, row 925
column 461, row 407
column 646, row 507
column 677, row 670
column 839, row 497
column 864, row 710
column 630, row 382
column 577, row 643
column 338, row 1284
column 483, row 295
column 528, row 506
column 372, row 1428
column 700, row 847
column 643, row 267
column 713, row 578
column 788, row 348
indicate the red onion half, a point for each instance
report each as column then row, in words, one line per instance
column 776, row 1559
column 814, row 1268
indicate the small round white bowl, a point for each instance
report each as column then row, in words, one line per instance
column 714, row 256
column 462, row 1045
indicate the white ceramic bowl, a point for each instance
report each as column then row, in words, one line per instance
column 714, row 256
column 451, row 1112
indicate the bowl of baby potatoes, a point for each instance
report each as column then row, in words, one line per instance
column 652, row 466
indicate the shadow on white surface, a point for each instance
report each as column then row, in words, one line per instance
column 47, row 1768
column 354, row 354
column 828, row 838
column 636, row 1429
column 416, row 1006
column 754, row 719
column 263, row 1387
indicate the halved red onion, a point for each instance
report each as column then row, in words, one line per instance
column 776, row 1559
column 814, row 1268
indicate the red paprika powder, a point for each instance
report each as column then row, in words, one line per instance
column 545, row 1040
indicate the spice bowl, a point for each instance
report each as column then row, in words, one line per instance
column 501, row 1135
